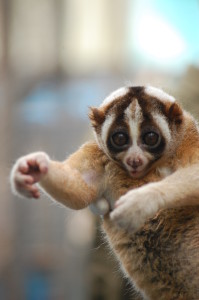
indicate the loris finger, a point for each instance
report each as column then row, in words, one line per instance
column 118, row 216
column 32, row 162
column 120, row 202
column 32, row 191
column 42, row 164
column 39, row 163
column 23, row 180
column 23, row 166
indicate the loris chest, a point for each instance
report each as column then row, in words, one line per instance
column 118, row 181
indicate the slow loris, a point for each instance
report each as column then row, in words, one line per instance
column 144, row 164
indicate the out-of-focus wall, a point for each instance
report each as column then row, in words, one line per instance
column 97, row 40
column 71, row 36
column 33, row 37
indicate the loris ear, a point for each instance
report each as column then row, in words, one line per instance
column 96, row 116
column 174, row 113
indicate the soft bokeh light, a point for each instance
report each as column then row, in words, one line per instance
column 156, row 39
column 163, row 34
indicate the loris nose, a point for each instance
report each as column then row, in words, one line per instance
column 135, row 162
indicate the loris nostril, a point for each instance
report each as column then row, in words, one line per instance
column 134, row 163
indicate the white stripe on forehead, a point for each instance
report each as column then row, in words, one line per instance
column 158, row 93
column 116, row 94
column 163, row 126
column 134, row 117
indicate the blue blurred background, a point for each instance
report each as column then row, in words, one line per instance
column 57, row 58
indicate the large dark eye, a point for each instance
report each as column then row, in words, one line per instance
column 119, row 139
column 151, row 139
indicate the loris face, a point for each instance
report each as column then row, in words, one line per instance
column 136, row 127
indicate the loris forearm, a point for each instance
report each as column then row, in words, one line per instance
column 76, row 182
column 67, row 185
column 179, row 189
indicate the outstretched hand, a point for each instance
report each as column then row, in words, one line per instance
column 27, row 171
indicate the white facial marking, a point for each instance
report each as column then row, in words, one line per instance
column 163, row 125
column 134, row 117
column 107, row 124
column 116, row 94
column 158, row 93
column 102, row 138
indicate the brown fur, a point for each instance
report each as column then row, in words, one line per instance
column 162, row 258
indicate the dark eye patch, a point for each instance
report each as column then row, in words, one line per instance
column 151, row 139
column 119, row 139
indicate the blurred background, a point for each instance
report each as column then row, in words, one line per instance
column 57, row 57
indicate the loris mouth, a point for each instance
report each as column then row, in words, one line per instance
column 137, row 173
